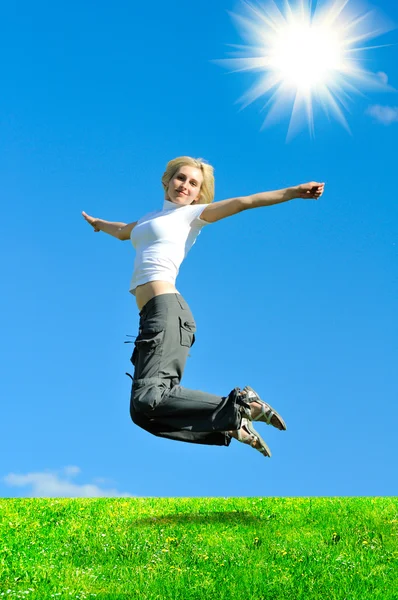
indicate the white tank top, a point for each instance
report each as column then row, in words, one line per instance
column 162, row 239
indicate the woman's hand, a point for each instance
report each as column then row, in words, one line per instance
column 91, row 220
column 311, row 190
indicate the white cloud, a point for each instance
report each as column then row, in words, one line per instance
column 383, row 77
column 58, row 485
column 383, row 114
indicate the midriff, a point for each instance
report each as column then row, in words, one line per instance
column 144, row 293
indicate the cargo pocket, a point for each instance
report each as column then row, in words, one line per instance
column 147, row 353
column 187, row 333
column 149, row 341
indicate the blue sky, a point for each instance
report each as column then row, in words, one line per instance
column 297, row 300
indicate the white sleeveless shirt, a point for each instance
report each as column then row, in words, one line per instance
column 162, row 239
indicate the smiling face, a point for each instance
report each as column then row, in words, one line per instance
column 184, row 186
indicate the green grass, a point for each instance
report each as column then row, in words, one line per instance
column 199, row 548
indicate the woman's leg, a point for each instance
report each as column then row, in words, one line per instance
column 166, row 333
column 216, row 438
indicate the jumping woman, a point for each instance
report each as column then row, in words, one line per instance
column 162, row 239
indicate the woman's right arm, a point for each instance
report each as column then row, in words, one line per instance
column 121, row 231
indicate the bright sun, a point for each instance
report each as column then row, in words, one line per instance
column 306, row 54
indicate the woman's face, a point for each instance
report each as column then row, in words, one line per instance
column 184, row 187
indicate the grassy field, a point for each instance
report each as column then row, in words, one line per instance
column 199, row 548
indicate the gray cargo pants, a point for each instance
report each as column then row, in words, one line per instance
column 158, row 403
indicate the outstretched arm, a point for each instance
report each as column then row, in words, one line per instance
column 121, row 231
column 226, row 208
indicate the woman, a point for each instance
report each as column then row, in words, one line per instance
column 162, row 239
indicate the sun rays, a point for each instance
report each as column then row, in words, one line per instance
column 306, row 56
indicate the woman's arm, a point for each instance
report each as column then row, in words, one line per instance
column 226, row 208
column 121, row 231
column 124, row 232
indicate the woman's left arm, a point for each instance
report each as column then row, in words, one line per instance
column 226, row 208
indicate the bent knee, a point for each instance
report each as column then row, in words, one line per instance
column 145, row 396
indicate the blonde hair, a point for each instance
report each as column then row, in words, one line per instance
column 206, row 194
